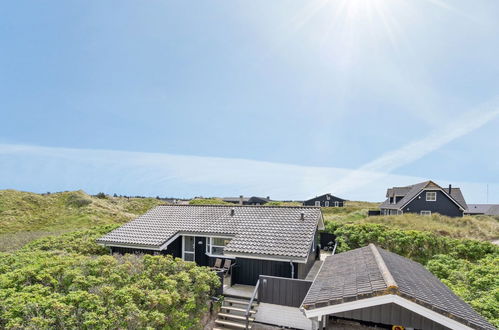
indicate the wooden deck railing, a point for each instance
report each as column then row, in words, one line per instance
column 250, row 305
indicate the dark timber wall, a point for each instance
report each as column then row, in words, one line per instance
column 303, row 269
column 282, row 291
column 442, row 205
column 323, row 199
column 247, row 271
column 175, row 249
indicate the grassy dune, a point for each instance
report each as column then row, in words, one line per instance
column 27, row 216
column 475, row 227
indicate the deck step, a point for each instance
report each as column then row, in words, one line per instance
column 239, row 302
column 236, row 309
column 232, row 324
column 236, row 317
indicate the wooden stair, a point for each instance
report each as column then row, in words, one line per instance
column 232, row 317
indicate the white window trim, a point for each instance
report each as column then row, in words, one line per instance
column 431, row 192
column 336, row 204
column 209, row 247
column 326, row 203
column 425, row 212
column 188, row 252
column 317, row 203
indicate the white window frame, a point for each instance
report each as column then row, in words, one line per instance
column 209, row 246
column 326, row 203
column 431, row 192
column 336, row 204
column 425, row 213
column 317, row 203
column 193, row 252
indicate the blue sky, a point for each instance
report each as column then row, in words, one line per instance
column 282, row 98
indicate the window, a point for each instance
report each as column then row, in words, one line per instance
column 189, row 248
column 317, row 203
column 326, row 203
column 336, row 204
column 215, row 245
column 425, row 212
column 431, row 196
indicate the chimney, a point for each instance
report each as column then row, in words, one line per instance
column 232, row 212
column 302, row 216
column 268, row 197
column 450, row 189
column 241, row 199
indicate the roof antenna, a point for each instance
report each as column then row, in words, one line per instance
column 232, row 212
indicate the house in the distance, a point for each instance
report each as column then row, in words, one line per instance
column 326, row 200
column 482, row 209
column 241, row 200
column 424, row 198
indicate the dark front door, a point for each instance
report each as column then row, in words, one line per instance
column 201, row 257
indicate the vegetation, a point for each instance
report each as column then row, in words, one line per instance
column 278, row 203
column 469, row 267
column 27, row 216
column 208, row 201
column 472, row 227
column 68, row 282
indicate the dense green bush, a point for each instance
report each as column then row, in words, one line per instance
column 469, row 267
column 477, row 283
column 81, row 242
column 417, row 245
column 59, row 290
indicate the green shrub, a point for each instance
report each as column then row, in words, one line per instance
column 59, row 290
column 469, row 267
column 81, row 242
column 477, row 283
column 417, row 245
column 208, row 201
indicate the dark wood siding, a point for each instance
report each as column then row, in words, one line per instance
column 323, row 199
column 443, row 205
column 174, row 249
column 247, row 271
column 282, row 291
column 201, row 258
column 303, row 269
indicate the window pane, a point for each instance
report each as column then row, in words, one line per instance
column 189, row 243
column 220, row 241
column 188, row 256
column 215, row 250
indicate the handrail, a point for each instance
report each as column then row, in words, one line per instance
column 251, row 303
column 335, row 245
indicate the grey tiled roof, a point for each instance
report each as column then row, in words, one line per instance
column 357, row 274
column 263, row 230
column 488, row 209
column 412, row 191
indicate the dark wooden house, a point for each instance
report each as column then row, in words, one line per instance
column 424, row 198
column 241, row 200
column 326, row 200
column 260, row 240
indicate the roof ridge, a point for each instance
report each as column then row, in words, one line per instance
column 254, row 206
column 385, row 272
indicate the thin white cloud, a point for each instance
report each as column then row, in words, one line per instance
column 416, row 150
column 41, row 169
